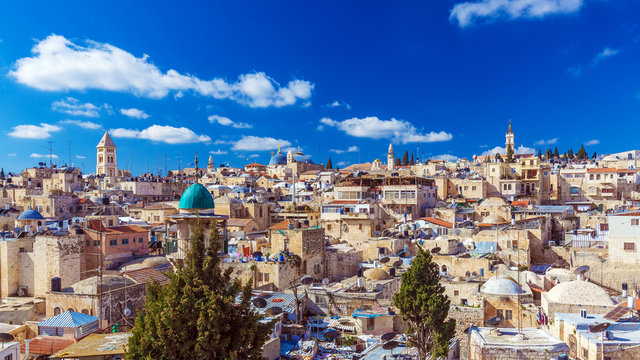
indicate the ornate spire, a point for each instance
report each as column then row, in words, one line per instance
column 509, row 130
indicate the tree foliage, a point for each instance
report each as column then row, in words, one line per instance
column 195, row 315
column 509, row 157
column 412, row 161
column 424, row 307
column 582, row 153
column 405, row 158
column 556, row 153
column 329, row 164
column 398, row 162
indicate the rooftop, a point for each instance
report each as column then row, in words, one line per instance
column 95, row 345
column 533, row 338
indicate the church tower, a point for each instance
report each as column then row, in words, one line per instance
column 510, row 141
column 391, row 158
column 210, row 166
column 106, row 162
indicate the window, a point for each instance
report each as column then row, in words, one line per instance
column 360, row 227
column 473, row 188
column 629, row 246
column 635, row 222
column 507, row 315
column 266, row 277
column 125, row 241
column 370, row 322
column 585, row 353
column 456, row 292
column 113, row 242
column 88, row 243
column 9, row 357
column 56, row 311
column 328, row 227
column 140, row 240
column 499, row 313
column 604, row 227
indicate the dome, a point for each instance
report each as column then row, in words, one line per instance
column 579, row 292
column 501, row 285
column 493, row 219
column 196, row 197
column 302, row 158
column 377, row 274
column 278, row 159
column 494, row 201
column 92, row 284
column 30, row 214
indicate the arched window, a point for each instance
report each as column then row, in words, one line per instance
column 85, row 311
column 56, row 311
column 71, row 309
column 444, row 269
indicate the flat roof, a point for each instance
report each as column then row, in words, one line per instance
column 532, row 338
column 624, row 332
column 95, row 345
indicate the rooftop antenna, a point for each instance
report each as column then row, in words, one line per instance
column 50, row 153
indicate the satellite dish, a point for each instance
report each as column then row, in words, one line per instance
column 435, row 250
column 325, row 281
column 306, row 280
column 495, row 321
column 397, row 263
column 330, row 334
column 581, row 270
column 256, row 254
column 597, row 328
column 276, row 310
column 260, row 303
column 388, row 336
column 4, row 337
column 390, row 345
column 384, row 260
column 127, row 311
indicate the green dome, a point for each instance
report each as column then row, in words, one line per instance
column 196, row 197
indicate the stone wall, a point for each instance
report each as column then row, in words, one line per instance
column 465, row 318
column 340, row 265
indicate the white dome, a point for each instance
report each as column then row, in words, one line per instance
column 579, row 292
column 501, row 285
column 494, row 201
column 494, row 219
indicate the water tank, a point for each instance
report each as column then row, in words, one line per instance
column 281, row 258
column 56, row 284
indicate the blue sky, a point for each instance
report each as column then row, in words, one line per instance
column 336, row 78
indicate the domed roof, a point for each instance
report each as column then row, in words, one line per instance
column 501, row 285
column 493, row 219
column 30, row 214
column 196, row 197
column 93, row 284
column 302, row 158
column 278, row 159
column 579, row 292
column 376, row 274
column 494, row 201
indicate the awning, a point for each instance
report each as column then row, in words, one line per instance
column 335, row 323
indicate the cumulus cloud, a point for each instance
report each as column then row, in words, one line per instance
column 342, row 164
column 469, row 12
column 83, row 124
column 73, row 106
column 135, row 113
column 350, row 149
column 503, row 151
column 445, row 157
column 42, row 156
column 592, row 142
column 217, row 152
column 337, row 104
column 256, row 143
column 162, row 133
column 606, row 53
column 42, row 131
column 58, row 64
column 552, row 141
column 398, row 131
column 225, row 121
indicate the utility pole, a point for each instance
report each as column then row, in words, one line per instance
column 50, row 153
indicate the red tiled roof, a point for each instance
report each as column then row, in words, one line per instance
column 602, row 170
column 96, row 225
column 438, row 222
column 520, row 203
column 344, row 202
column 46, row 345
column 147, row 275
column 284, row 225
column 255, row 165
column 126, row 229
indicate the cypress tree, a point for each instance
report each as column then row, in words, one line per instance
column 329, row 164
column 509, row 156
column 412, row 161
column 539, row 154
column 398, row 162
column 595, row 156
column 195, row 315
column 405, row 158
column 424, row 307
column 556, row 154
column 582, row 153
column 570, row 154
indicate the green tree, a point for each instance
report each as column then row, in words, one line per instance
column 329, row 164
column 2, row 174
column 509, row 157
column 498, row 157
column 405, row 158
column 570, row 154
column 398, row 162
column 540, row 154
column 582, row 153
column 548, row 154
column 595, row 155
column 412, row 161
column 195, row 315
column 556, row 154
column 424, row 307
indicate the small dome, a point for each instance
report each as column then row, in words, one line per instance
column 579, row 292
column 93, row 284
column 494, row 201
column 30, row 214
column 493, row 219
column 278, row 159
column 196, row 197
column 377, row 274
column 501, row 285
column 302, row 158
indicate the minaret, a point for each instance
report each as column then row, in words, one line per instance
column 210, row 166
column 391, row 158
column 106, row 161
column 510, row 138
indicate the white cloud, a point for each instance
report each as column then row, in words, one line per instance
column 42, row 156
column 162, row 133
column 12, row 154
column 73, row 106
column 254, row 155
column 398, row 131
column 225, row 121
column 337, row 104
column 42, row 131
column 547, row 142
column 256, row 143
column 605, row 54
column 135, row 113
column 592, row 142
column 80, row 157
column 350, row 149
column 83, row 124
column 445, row 157
column 217, row 152
column 502, row 151
column 221, row 142
column 342, row 164
column 467, row 13
column 58, row 64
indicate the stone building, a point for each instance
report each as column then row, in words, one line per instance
column 106, row 157
column 505, row 298
column 573, row 296
column 624, row 238
column 510, row 344
column 306, row 242
column 112, row 246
